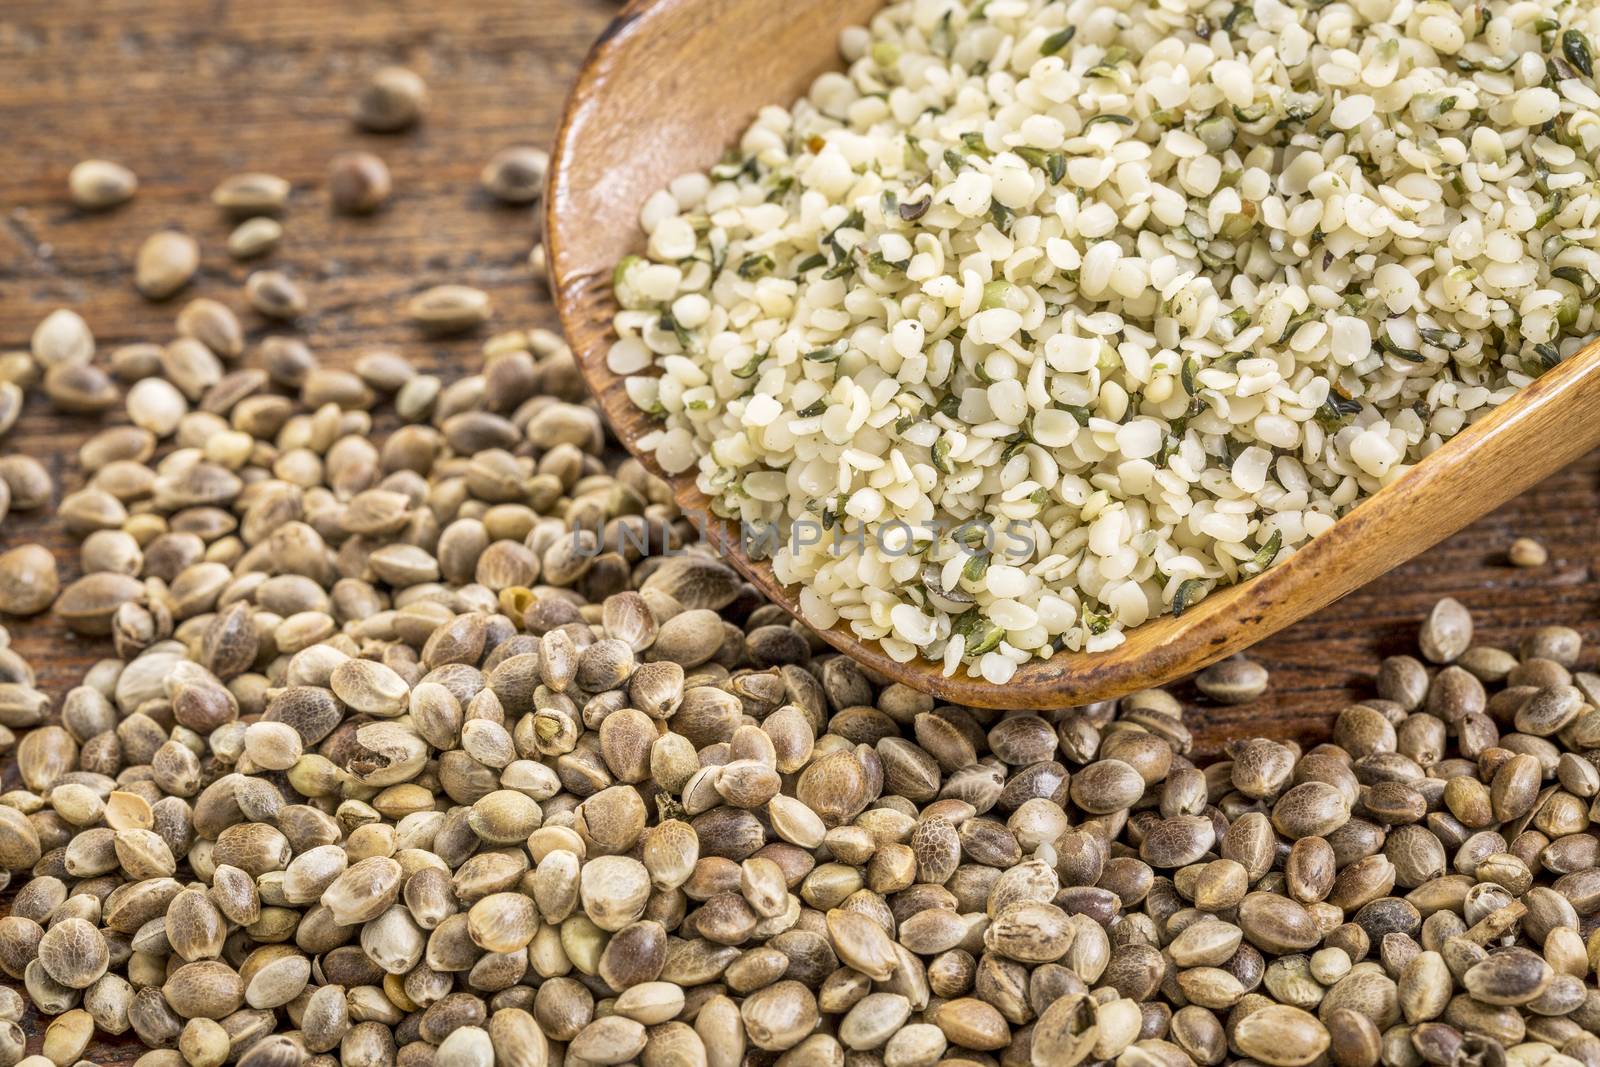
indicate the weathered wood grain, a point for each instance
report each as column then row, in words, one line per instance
column 187, row 92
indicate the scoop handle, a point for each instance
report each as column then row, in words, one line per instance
column 1548, row 424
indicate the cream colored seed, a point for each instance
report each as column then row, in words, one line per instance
column 369, row 687
column 77, row 804
column 254, row 237
column 166, row 262
column 156, row 405
column 1527, row 552
column 204, row 1043
column 516, row 175
column 97, row 184
column 28, row 580
column 128, row 811
column 274, row 746
column 449, row 308
column 67, row 1036
column 251, row 194
column 62, row 338
column 393, row 99
column 275, row 295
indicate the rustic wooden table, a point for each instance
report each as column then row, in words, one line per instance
column 186, row 93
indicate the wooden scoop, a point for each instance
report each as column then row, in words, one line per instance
column 672, row 83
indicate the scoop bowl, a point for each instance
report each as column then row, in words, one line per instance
column 672, row 83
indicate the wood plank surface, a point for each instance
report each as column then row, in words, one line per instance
column 186, row 92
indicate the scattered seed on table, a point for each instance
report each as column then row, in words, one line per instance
column 27, row 479
column 80, row 389
column 393, row 99
column 97, row 184
column 1235, row 680
column 166, row 262
column 275, row 295
column 254, row 237
column 1447, row 632
column 251, row 194
column 62, row 337
column 446, row 309
column 358, row 183
column 28, row 580
column 516, row 175
column 1528, row 552
column 214, row 325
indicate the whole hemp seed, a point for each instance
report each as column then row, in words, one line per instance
column 446, row 309
column 166, row 262
column 358, row 183
column 254, row 237
column 1236, row 680
column 28, row 580
column 516, row 175
column 275, row 295
column 1527, row 552
column 98, row 184
column 251, row 194
column 393, row 99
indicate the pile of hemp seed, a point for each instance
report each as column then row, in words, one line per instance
column 445, row 745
